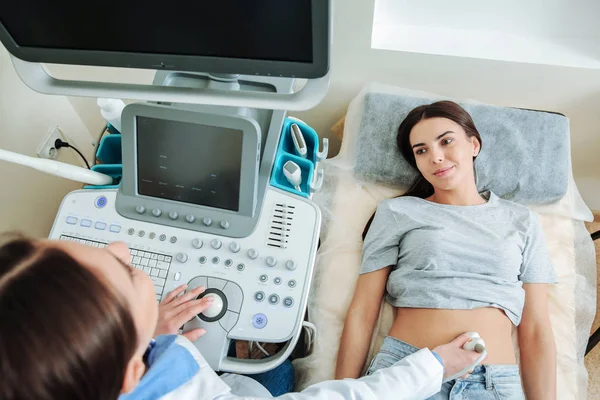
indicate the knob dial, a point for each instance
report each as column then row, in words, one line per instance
column 224, row 224
column 197, row 243
column 181, row 257
column 207, row 221
column 271, row 261
column 234, row 247
column 173, row 215
column 216, row 244
column 140, row 209
column 291, row 265
column 156, row 212
column 252, row 254
column 190, row 218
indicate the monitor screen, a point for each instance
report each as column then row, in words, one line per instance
column 188, row 162
column 178, row 34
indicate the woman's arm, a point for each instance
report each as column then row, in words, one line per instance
column 360, row 322
column 536, row 343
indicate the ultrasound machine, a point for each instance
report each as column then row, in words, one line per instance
column 199, row 147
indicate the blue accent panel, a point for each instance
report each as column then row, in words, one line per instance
column 109, row 150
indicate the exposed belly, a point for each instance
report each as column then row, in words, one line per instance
column 425, row 327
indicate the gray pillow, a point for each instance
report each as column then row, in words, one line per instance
column 524, row 158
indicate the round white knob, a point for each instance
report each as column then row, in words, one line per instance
column 224, row 224
column 207, row 221
column 216, row 244
column 215, row 308
column 234, row 247
column 140, row 209
column 271, row 261
column 197, row 243
column 173, row 215
column 291, row 265
column 190, row 218
column 156, row 212
column 252, row 254
column 181, row 257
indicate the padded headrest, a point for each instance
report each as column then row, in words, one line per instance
column 525, row 155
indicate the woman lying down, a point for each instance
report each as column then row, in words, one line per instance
column 452, row 260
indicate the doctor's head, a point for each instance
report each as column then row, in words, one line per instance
column 76, row 320
column 441, row 141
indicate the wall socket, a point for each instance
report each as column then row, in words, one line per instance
column 46, row 147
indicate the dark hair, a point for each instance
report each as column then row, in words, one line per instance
column 65, row 334
column 440, row 109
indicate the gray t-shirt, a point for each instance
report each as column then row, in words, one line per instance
column 457, row 257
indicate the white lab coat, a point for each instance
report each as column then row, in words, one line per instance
column 417, row 376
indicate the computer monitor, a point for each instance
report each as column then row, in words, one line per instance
column 286, row 38
column 186, row 168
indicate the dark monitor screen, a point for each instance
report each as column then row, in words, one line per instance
column 190, row 163
column 204, row 36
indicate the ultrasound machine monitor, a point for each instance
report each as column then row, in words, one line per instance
column 189, row 169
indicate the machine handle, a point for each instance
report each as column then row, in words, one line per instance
column 37, row 78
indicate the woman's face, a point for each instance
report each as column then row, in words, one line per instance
column 112, row 265
column 443, row 152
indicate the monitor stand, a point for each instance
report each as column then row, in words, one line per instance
column 270, row 121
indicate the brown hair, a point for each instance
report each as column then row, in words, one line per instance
column 440, row 109
column 64, row 333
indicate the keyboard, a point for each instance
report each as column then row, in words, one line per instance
column 156, row 265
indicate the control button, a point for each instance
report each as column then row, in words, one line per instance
column 177, row 276
column 141, row 233
column 292, row 283
column 100, row 202
column 263, row 278
column 181, row 257
column 197, row 243
column 215, row 308
column 252, row 254
column 190, row 218
column 273, row 299
column 152, row 235
column 207, row 221
column 229, row 320
column 71, row 220
column 140, row 209
column 196, row 282
column 86, row 223
column 115, row 228
column 173, row 239
column 234, row 296
column 216, row 283
column 277, row 281
column 100, row 226
column 228, row 262
column 130, row 231
column 259, row 321
column 224, row 224
column 156, row 212
column 271, row 261
column 241, row 267
column 234, row 247
column 162, row 237
column 259, row 296
column 288, row 302
column 216, row 244
column 215, row 260
column 291, row 265
column 202, row 260
column 173, row 215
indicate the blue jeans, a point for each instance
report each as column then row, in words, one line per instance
column 487, row 382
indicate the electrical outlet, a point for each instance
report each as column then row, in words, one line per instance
column 46, row 147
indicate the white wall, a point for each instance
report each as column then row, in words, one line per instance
column 572, row 91
column 29, row 199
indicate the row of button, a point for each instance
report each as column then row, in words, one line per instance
column 87, row 223
column 274, row 299
column 157, row 212
column 83, row 241
column 264, row 278
column 151, row 235
column 155, row 265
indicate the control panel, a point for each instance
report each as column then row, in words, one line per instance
column 260, row 282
